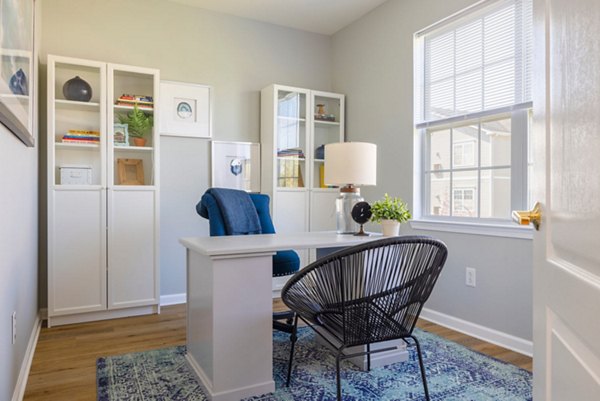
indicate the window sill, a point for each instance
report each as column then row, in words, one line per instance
column 495, row 230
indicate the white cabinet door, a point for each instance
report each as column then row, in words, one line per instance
column 322, row 210
column 133, row 245
column 77, row 252
column 290, row 211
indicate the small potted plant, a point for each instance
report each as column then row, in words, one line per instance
column 390, row 212
column 139, row 124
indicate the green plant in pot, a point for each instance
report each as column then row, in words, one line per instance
column 390, row 212
column 138, row 125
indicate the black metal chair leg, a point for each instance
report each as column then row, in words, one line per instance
column 368, row 357
column 422, row 368
column 337, row 376
column 293, row 338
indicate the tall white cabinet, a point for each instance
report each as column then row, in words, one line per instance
column 103, row 194
column 295, row 125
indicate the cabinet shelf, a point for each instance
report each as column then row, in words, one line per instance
column 286, row 118
column 78, row 146
column 133, row 148
column 123, row 108
column 75, row 105
column 13, row 96
column 322, row 122
column 299, row 159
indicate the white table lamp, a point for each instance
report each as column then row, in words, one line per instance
column 349, row 165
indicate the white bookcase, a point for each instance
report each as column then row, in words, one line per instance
column 103, row 257
column 293, row 129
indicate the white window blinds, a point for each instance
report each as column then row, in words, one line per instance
column 478, row 60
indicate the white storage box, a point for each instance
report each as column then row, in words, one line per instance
column 75, row 175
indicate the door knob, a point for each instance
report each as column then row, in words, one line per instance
column 533, row 216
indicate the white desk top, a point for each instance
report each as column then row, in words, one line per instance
column 245, row 244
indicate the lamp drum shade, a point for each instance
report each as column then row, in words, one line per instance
column 351, row 163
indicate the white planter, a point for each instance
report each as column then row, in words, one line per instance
column 391, row 228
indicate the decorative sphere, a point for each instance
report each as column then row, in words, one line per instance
column 77, row 89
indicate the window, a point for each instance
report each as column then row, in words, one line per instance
column 472, row 106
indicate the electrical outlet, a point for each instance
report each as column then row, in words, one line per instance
column 470, row 278
column 14, row 327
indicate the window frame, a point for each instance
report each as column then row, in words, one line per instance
column 520, row 127
column 520, row 115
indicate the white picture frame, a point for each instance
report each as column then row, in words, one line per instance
column 185, row 109
column 235, row 165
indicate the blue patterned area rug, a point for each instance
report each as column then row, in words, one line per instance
column 454, row 373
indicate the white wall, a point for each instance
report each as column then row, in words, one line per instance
column 373, row 66
column 236, row 56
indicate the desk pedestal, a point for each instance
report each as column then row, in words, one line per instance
column 229, row 324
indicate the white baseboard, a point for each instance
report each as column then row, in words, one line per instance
column 493, row 336
column 173, row 299
column 27, row 360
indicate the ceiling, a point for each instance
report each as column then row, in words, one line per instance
column 320, row 16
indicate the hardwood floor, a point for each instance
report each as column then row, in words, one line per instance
column 64, row 364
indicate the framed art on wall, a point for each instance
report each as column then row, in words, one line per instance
column 17, row 68
column 186, row 109
column 236, row 165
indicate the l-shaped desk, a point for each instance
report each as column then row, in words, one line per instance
column 229, row 308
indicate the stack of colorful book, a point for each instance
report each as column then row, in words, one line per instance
column 142, row 102
column 80, row 136
column 291, row 152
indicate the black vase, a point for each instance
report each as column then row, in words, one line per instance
column 77, row 89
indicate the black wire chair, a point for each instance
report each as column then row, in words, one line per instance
column 366, row 294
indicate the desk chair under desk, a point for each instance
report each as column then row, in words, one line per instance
column 285, row 262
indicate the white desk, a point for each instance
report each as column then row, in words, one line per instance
column 229, row 308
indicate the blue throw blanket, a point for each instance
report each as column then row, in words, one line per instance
column 238, row 210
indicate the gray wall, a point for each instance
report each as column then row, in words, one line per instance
column 236, row 56
column 18, row 252
column 373, row 66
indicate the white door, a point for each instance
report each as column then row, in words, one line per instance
column 566, row 144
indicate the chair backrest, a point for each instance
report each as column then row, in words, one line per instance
column 209, row 209
column 382, row 283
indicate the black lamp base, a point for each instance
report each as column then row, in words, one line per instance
column 362, row 233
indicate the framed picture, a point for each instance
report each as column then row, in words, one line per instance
column 131, row 171
column 120, row 135
column 17, row 71
column 236, row 165
column 185, row 109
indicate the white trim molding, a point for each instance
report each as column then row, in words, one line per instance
column 19, row 392
column 493, row 230
column 173, row 299
column 492, row 336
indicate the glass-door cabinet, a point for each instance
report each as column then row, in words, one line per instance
column 291, row 139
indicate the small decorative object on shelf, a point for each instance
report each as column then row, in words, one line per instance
column 131, row 171
column 320, row 115
column 75, row 175
column 141, row 101
column 18, row 83
column 291, row 152
column 361, row 213
column 81, row 137
column 138, row 124
column 77, row 89
column 120, row 135
column 390, row 212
